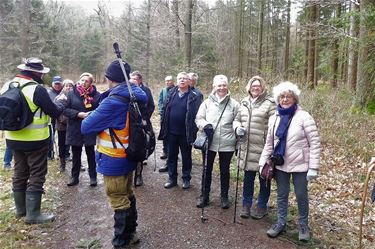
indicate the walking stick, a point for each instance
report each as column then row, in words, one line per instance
column 238, row 174
column 370, row 169
column 203, row 219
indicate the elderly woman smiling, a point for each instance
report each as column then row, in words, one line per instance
column 294, row 140
column 215, row 117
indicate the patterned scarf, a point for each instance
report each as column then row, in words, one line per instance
column 85, row 93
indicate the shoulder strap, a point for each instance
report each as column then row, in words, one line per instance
column 221, row 114
column 115, row 137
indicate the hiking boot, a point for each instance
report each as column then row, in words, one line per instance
column 225, row 204
column 164, row 169
column 62, row 164
column 186, row 184
column 203, row 201
column 72, row 182
column 245, row 213
column 163, row 156
column 138, row 180
column 93, row 182
column 276, row 230
column 134, row 239
column 258, row 213
column 304, row 234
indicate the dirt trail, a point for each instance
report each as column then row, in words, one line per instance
column 167, row 218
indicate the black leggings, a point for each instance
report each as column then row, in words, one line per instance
column 224, row 163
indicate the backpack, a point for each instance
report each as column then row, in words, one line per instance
column 15, row 113
column 141, row 134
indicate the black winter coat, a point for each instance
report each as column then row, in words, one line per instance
column 193, row 103
column 75, row 105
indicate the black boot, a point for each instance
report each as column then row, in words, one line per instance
column 203, row 201
column 62, row 164
column 138, row 175
column 20, row 203
column 131, row 226
column 33, row 215
column 121, row 238
column 225, row 204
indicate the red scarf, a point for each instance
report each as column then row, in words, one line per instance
column 85, row 93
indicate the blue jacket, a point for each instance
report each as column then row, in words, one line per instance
column 193, row 104
column 111, row 113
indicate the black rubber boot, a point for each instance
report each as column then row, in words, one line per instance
column 203, row 201
column 225, row 204
column 20, row 203
column 62, row 164
column 33, row 215
column 121, row 238
column 131, row 226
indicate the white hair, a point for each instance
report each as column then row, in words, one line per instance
column 286, row 86
column 219, row 79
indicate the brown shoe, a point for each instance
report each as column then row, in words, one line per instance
column 245, row 213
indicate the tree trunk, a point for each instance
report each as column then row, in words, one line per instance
column 366, row 72
column 311, row 48
column 335, row 52
column 287, row 41
column 260, row 35
column 148, row 40
column 240, row 37
column 353, row 49
column 188, row 32
column 25, row 7
column 176, row 22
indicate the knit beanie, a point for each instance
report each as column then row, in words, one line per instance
column 114, row 71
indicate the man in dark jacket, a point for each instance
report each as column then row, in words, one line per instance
column 178, row 126
column 136, row 77
column 30, row 144
column 112, row 159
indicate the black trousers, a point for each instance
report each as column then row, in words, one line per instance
column 224, row 163
column 77, row 163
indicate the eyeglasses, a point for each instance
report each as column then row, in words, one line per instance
column 286, row 97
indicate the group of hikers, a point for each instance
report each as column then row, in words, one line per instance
column 260, row 127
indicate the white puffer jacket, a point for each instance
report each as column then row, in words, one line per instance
column 302, row 150
column 254, row 118
column 224, row 139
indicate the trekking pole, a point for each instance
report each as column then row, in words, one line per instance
column 370, row 169
column 237, row 176
column 203, row 219
column 155, row 159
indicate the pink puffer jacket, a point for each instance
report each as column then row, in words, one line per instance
column 302, row 150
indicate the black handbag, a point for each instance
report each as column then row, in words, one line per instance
column 201, row 142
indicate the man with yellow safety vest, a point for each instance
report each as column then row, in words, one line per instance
column 110, row 117
column 30, row 144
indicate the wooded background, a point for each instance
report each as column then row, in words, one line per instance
column 331, row 41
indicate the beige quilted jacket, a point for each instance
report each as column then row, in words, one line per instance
column 254, row 117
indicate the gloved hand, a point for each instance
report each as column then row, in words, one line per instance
column 240, row 132
column 312, row 174
column 209, row 130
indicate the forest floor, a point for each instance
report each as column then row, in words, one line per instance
column 168, row 218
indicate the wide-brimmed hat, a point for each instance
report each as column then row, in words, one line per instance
column 33, row 64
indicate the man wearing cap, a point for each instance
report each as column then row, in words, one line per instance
column 169, row 84
column 136, row 77
column 111, row 158
column 178, row 126
column 53, row 91
column 30, row 144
